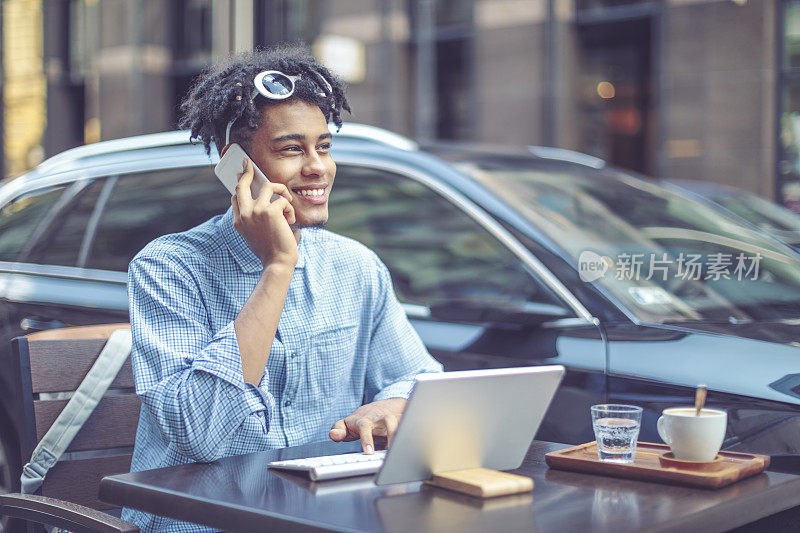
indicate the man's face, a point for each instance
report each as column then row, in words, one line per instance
column 292, row 147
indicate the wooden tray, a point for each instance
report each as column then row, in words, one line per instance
column 648, row 465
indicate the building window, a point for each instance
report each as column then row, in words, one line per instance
column 791, row 41
column 447, row 27
column 455, row 35
column 453, row 119
column 788, row 165
column 604, row 5
column 616, row 104
column 279, row 21
column 192, row 25
column 193, row 30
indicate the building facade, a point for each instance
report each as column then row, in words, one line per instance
column 691, row 89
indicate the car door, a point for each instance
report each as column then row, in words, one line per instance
column 65, row 249
column 137, row 208
column 469, row 291
column 32, row 294
column 47, row 289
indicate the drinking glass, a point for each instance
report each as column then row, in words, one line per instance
column 616, row 428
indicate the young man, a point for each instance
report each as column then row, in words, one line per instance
column 258, row 329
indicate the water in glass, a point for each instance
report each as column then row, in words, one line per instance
column 616, row 428
column 616, row 439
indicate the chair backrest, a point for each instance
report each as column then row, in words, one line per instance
column 51, row 364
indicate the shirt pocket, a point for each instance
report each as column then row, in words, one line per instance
column 332, row 356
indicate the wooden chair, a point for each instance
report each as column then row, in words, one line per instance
column 56, row 361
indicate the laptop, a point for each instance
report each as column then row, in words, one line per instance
column 453, row 421
column 469, row 419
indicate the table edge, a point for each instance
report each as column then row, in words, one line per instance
column 112, row 490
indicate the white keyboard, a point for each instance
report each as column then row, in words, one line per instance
column 334, row 466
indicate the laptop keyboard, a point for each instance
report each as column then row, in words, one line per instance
column 334, row 466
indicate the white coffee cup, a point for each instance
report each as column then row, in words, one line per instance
column 692, row 437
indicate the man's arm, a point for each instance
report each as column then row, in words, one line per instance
column 265, row 226
column 200, row 387
column 188, row 377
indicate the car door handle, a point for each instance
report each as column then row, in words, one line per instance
column 32, row 323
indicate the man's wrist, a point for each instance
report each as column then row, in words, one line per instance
column 397, row 403
column 278, row 269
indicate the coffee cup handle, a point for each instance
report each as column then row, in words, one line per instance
column 661, row 431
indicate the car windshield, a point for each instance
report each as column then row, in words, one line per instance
column 770, row 217
column 665, row 256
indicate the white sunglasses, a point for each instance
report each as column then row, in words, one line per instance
column 274, row 85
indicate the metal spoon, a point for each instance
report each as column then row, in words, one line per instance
column 699, row 399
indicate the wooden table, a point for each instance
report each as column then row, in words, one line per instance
column 240, row 494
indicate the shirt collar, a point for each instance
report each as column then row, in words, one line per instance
column 244, row 256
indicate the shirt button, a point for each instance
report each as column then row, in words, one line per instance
column 293, row 355
column 287, row 403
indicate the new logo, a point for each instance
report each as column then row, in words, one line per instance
column 592, row 266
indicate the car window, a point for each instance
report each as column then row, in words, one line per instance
column 19, row 219
column 146, row 205
column 665, row 256
column 60, row 234
column 435, row 252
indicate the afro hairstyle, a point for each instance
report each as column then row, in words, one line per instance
column 222, row 93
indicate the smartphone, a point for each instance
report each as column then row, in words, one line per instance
column 230, row 165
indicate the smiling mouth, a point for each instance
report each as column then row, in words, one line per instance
column 315, row 195
column 310, row 192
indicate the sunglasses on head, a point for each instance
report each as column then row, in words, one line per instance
column 274, row 85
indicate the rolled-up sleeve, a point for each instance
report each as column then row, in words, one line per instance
column 396, row 354
column 188, row 377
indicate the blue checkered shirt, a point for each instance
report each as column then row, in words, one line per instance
column 343, row 340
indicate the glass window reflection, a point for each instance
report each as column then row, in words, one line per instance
column 435, row 252
column 789, row 166
column 792, row 35
column 147, row 205
column 60, row 242
column 618, row 216
column 19, row 219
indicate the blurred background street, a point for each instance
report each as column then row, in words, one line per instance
column 682, row 89
column 493, row 162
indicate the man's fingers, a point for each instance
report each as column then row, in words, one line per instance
column 282, row 205
column 243, row 195
column 237, row 216
column 276, row 195
column 269, row 190
column 364, row 426
column 338, row 432
column 279, row 204
column 288, row 213
column 282, row 190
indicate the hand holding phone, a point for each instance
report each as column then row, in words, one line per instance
column 265, row 226
column 230, row 166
